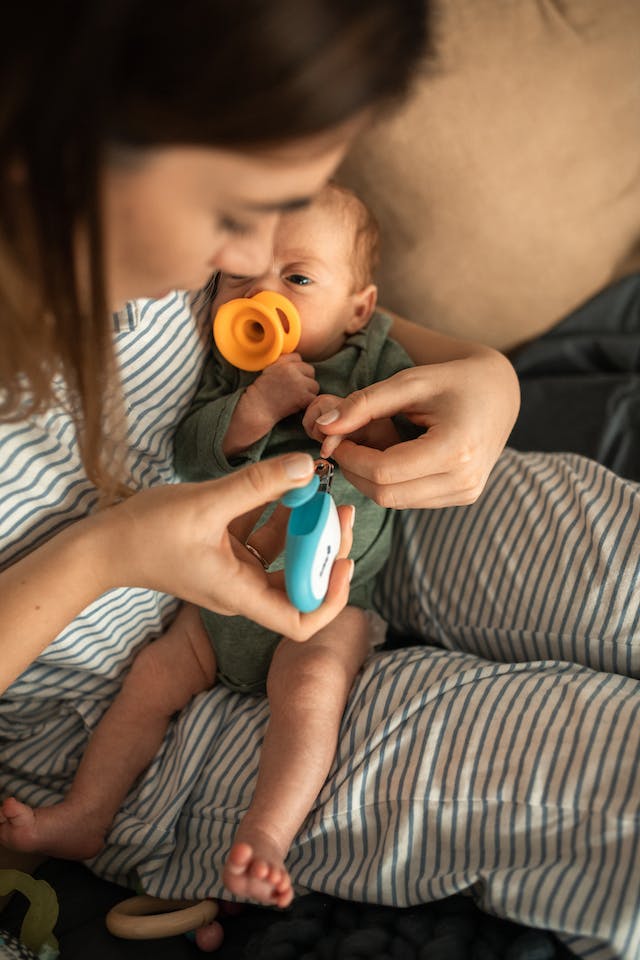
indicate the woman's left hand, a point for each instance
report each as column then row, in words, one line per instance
column 467, row 407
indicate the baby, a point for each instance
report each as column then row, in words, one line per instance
column 323, row 261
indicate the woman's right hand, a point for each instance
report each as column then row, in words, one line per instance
column 188, row 540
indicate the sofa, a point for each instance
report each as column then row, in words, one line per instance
column 508, row 186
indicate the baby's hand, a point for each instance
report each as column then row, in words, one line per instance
column 325, row 403
column 283, row 388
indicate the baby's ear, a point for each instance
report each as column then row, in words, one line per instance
column 364, row 303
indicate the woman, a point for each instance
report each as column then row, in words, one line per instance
column 144, row 147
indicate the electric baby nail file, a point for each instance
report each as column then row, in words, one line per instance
column 313, row 539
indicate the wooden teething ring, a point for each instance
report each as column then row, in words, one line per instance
column 149, row 918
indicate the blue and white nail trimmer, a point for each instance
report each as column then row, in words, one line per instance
column 313, row 539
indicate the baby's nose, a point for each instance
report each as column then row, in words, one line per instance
column 260, row 284
column 254, row 288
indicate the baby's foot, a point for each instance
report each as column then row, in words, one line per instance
column 59, row 831
column 255, row 869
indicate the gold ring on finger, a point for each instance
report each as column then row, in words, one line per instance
column 256, row 553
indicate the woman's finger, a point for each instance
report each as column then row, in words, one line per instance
column 347, row 516
column 269, row 539
column 437, row 490
column 241, row 527
column 433, row 453
column 399, row 394
column 260, row 597
column 258, row 484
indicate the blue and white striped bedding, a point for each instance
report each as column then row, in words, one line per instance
column 483, row 759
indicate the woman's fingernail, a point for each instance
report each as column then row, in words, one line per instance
column 298, row 465
column 328, row 417
column 352, row 517
column 353, row 567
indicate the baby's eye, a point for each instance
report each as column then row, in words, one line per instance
column 299, row 279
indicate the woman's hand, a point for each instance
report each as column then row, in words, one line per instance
column 378, row 434
column 467, row 407
column 188, row 540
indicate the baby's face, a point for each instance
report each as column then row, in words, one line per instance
column 311, row 266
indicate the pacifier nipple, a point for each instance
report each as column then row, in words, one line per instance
column 252, row 332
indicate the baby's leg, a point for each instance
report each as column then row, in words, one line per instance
column 308, row 686
column 163, row 678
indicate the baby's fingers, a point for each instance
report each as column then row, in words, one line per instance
column 322, row 404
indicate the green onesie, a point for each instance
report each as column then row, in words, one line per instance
column 244, row 649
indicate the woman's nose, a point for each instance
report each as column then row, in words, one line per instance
column 243, row 262
column 249, row 256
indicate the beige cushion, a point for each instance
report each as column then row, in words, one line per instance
column 508, row 187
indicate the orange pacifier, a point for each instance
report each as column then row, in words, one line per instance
column 252, row 332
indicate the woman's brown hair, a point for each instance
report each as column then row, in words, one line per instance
column 81, row 76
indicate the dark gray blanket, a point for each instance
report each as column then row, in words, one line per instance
column 581, row 383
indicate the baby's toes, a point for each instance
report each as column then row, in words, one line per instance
column 282, row 883
column 275, row 876
column 240, row 856
column 283, row 896
column 259, row 870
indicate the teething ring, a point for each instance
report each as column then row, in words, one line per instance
column 252, row 332
column 150, row 918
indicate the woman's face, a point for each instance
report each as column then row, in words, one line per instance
column 178, row 214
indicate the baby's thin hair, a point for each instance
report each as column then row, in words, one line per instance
column 366, row 238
